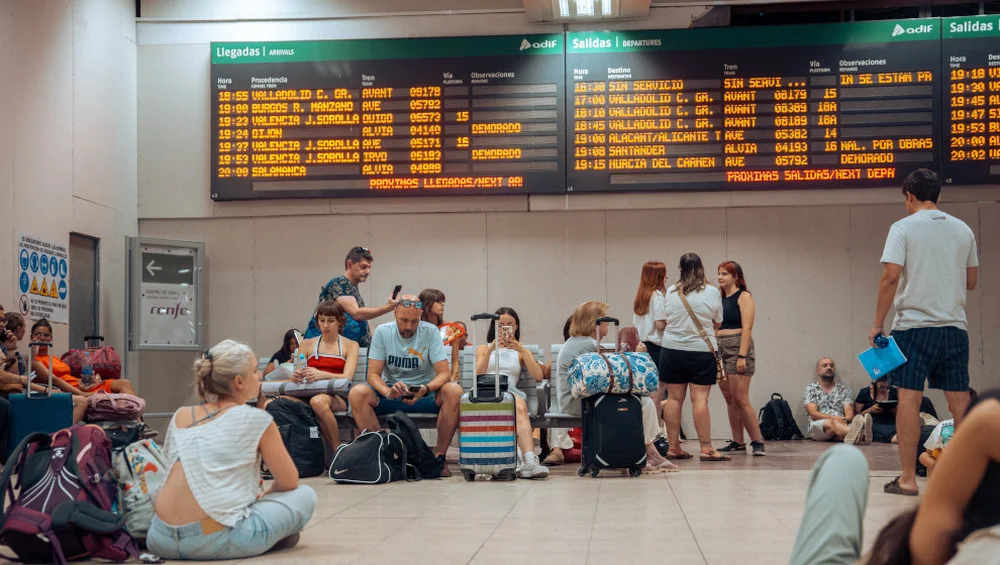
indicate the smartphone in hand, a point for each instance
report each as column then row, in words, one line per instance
column 395, row 291
column 411, row 391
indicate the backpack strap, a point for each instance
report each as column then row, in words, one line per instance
column 14, row 465
column 87, row 517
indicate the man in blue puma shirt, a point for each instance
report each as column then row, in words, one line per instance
column 408, row 371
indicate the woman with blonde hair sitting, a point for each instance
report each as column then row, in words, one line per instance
column 581, row 340
column 213, row 505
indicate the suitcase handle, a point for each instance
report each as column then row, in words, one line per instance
column 475, row 378
column 32, row 345
column 617, row 349
column 92, row 337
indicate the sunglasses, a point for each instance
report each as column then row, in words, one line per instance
column 411, row 304
column 360, row 249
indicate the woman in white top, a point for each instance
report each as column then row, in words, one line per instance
column 649, row 318
column 686, row 359
column 506, row 350
column 213, row 505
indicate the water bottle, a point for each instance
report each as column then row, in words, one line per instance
column 300, row 360
column 86, row 372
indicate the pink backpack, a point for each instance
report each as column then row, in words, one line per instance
column 66, row 502
column 114, row 407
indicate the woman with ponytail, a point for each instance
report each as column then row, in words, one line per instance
column 213, row 505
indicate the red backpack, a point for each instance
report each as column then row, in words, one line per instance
column 66, row 506
column 103, row 358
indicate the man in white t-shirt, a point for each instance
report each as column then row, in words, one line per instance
column 408, row 371
column 929, row 264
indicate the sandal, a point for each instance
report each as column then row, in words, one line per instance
column 715, row 456
column 678, row 455
column 892, row 487
column 663, row 467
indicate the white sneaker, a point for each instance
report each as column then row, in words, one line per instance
column 532, row 468
column 868, row 430
column 855, row 434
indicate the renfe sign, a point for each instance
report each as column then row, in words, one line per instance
column 166, row 294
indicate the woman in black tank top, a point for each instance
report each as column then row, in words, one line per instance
column 738, row 355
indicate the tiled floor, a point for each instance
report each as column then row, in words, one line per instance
column 743, row 512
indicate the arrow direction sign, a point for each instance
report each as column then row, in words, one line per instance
column 151, row 269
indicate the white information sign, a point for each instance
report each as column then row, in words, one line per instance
column 166, row 301
column 42, row 279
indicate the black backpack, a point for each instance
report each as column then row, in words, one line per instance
column 373, row 458
column 300, row 434
column 421, row 463
column 777, row 422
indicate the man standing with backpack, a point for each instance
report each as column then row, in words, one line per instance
column 929, row 264
column 344, row 290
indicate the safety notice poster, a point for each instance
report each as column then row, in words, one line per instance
column 43, row 279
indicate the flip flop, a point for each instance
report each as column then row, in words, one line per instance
column 680, row 455
column 892, row 487
column 715, row 456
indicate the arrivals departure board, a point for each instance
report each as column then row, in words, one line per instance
column 459, row 115
column 971, row 60
column 830, row 105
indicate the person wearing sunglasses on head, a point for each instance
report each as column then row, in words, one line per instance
column 61, row 376
column 344, row 291
column 408, row 371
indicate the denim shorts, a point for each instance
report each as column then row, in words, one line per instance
column 939, row 356
column 426, row 405
column 272, row 519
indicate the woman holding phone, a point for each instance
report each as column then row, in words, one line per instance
column 329, row 356
column 505, row 350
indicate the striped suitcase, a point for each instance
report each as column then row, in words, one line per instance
column 487, row 443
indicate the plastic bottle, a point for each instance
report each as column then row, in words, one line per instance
column 86, row 372
column 300, row 360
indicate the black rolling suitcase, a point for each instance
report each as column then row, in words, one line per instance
column 612, row 430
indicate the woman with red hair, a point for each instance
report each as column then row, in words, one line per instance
column 649, row 316
column 736, row 348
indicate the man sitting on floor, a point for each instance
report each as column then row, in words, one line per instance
column 830, row 405
column 408, row 371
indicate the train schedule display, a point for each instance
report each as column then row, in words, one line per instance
column 458, row 115
column 970, row 51
column 830, row 105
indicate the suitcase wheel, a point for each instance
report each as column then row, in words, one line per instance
column 582, row 471
column 634, row 471
column 506, row 475
column 469, row 475
column 594, row 472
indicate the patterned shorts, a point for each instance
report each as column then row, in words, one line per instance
column 939, row 356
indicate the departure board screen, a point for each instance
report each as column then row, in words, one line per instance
column 388, row 117
column 970, row 51
column 830, row 105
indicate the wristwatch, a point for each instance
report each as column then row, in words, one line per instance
column 428, row 389
column 741, row 356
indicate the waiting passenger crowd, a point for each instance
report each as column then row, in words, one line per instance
column 213, row 505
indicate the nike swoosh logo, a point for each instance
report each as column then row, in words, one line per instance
column 340, row 472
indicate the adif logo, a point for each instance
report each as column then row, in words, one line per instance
column 900, row 30
column 548, row 43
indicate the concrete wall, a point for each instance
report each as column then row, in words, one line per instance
column 68, row 137
column 811, row 257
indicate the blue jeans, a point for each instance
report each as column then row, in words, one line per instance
column 272, row 518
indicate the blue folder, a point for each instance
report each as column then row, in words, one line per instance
column 879, row 361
